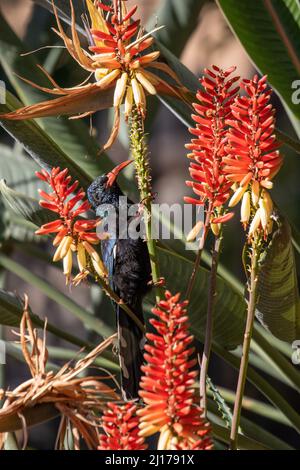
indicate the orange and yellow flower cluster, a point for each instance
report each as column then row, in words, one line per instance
column 73, row 234
column 235, row 149
column 168, row 384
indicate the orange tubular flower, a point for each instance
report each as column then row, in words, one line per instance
column 72, row 233
column 118, row 60
column 253, row 157
column 168, row 383
column 208, row 148
column 120, row 424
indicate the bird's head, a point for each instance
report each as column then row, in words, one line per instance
column 105, row 187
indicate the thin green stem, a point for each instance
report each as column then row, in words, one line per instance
column 139, row 150
column 246, row 348
column 212, row 294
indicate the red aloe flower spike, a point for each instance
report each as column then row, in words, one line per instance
column 168, row 384
column 72, row 234
column 120, row 424
column 209, row 147
column 253, row 157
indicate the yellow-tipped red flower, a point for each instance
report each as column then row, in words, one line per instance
column 253, row 157
column 73, row 235
column 168, row 384
column 117, row 59
column 207, row 148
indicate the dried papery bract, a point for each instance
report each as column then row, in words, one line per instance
column 119, row 60
column 168, row 383
column 209, row 182
column 120, row 425
column 74, row 235
column 78, row 398
column 253, row 156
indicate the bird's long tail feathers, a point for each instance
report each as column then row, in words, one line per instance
column 131, row 343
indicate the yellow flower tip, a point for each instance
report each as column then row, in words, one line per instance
column 136, row 89
column 255, row 192
column 165, row 438
column 100, row 73
column 108, row 79
column 120, row 89
column 237, row 196
column 147, row 430
column 245, row 208
column 146, row 83
column 128, row 102
column 266, row 184
column 62, row 248
column 139, row 96
column 67, row 263
column 215, row 228
column 255, row 223
column 66, row 246
column 81, row 257
column 195, row 231
column 266, row 208
column 99, row 268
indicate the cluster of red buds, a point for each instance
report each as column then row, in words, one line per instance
column 168, row 382
column 208, row 148
column 74, row 234
column 235, row 149
column 253, row 157
column 120, row 424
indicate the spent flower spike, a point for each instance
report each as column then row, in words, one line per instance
column 208, row 147
column 118, row 60
column 168, row 384
column 73, row 234
column 253, row 156
column 120, row 424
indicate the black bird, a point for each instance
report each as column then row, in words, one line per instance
column 128, row 265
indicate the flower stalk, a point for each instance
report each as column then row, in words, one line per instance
column 209, row 320
column 140, row 154
column 252, row 289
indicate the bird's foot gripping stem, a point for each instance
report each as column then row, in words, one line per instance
column 161, row 282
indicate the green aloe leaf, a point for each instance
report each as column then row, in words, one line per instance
column 28, row 207
column 17, row 172
column 270, row 33
column 278, row 306
column 66, row 302
column 230, row 306
column 40, row 146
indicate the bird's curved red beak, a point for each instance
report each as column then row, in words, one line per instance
column 113, row 174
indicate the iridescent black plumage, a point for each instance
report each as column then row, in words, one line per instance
column 128, row 265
